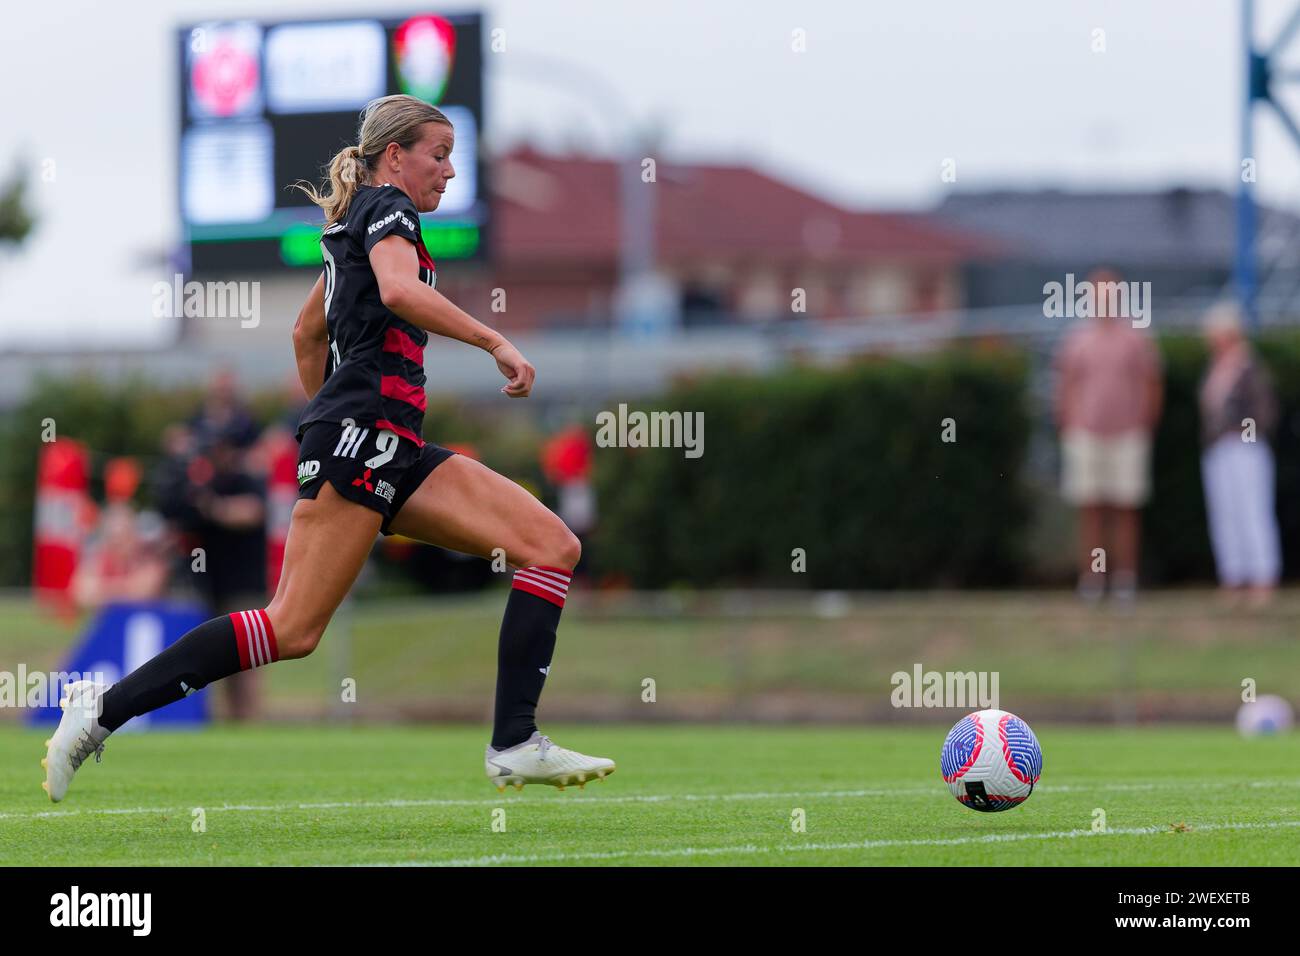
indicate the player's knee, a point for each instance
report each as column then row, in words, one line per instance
column 302, row 641
column 563, row 551
column 294, row 638
column 306, row 640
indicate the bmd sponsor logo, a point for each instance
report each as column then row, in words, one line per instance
column 307, row 471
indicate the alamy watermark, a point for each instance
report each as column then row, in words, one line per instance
column 128, row 910
column 25, row 688
column 624, row 429
column 922, row 688
column 208, row 300
column 1086, row 299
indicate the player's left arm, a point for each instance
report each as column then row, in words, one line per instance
column 397, row 267
column 311, row 340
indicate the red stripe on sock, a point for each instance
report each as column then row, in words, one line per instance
column 567, row 572
column 270, row 635
column 255, row 639
column 545, row 595
column 241, row 641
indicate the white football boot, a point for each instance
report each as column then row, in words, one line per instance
column 77, row 737
column 538, row 760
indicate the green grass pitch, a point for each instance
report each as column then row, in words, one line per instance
column 682, row 795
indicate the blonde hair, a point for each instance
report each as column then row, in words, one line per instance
column 389, row 119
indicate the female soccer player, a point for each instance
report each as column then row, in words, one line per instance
column 363, row 468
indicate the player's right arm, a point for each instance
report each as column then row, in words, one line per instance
column 311, row 340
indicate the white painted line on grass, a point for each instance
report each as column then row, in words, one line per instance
column 586, row 800
column 750, row 849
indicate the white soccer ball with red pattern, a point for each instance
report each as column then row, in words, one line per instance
column 991, row 761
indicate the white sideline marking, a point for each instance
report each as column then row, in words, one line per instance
column 752, row 849
column 476, row 802
column 584, row 801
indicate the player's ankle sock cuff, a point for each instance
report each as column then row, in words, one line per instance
column 549, row 584
column 254, row 638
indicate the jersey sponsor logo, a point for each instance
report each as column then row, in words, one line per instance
column 385, row 490
column 350, row 441
column 307, row 471
column 378, row 224
column 363, row 481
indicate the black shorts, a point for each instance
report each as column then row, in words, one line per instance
column 370, row 466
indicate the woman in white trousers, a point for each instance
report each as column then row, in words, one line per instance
column 1238, row 411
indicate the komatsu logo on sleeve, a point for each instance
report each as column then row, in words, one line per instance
column 380, row 223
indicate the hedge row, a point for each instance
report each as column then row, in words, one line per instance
column 850, row 465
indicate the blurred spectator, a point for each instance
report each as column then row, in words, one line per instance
column 123, row 561
column 223, row 415
column 230, row 504
column 1108, row 401
column 171, row 480
column 1238, row 411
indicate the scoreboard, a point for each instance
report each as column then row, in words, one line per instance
column 265, row 104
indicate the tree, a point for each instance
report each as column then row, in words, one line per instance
column 15, row 219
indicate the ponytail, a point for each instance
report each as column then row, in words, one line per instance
column 347, row 170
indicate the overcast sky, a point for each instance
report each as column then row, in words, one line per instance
column 884, row 93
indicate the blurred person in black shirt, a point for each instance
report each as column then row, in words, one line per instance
column 229, row 504
column 223, row 415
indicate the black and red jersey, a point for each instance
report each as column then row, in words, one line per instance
column 375, row 371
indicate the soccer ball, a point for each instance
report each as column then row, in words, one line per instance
column 991, row 760
column 1268, row 715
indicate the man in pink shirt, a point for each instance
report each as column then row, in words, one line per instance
column 1108, row 401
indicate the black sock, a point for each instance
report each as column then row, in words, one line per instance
column 215, row 649
column 524, row 651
